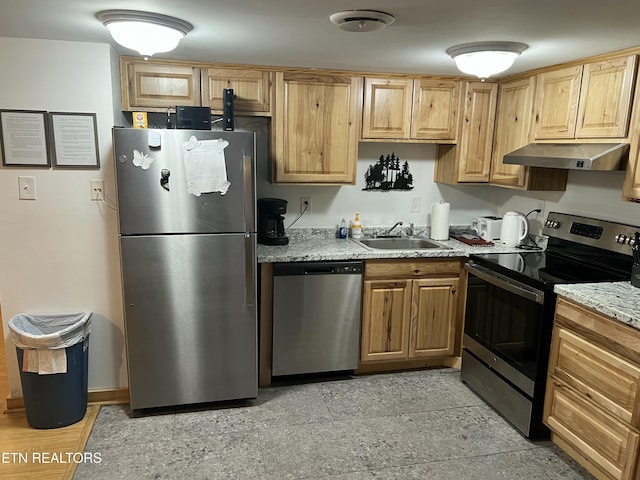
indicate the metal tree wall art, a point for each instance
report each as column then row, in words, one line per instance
column 387, row 174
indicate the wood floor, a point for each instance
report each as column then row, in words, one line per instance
column 26, row 453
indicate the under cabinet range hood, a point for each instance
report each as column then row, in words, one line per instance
column 574, row 156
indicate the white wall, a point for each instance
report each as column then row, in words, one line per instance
column 59, row 253
column 591, row 194
column 376, row 208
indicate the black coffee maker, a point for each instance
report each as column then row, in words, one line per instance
column 271, row 221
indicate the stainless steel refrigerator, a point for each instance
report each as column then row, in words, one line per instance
column 186, row 210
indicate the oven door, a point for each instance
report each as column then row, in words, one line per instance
column 504, row 324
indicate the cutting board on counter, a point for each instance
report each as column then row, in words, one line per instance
column 471, row 239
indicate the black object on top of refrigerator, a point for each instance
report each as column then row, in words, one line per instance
column 186, row 209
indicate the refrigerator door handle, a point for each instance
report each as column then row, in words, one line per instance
column 249, row 201
column 249, row 270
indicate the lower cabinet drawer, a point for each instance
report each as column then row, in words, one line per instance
column 606, row 443
column 607, row 379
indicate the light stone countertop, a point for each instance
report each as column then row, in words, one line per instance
column 320, row 245
column 619, row 300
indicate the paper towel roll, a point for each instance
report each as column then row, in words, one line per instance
column 440, row 221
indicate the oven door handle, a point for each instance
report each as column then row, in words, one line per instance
column 505, row 283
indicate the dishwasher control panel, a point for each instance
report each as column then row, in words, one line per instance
column 318, row 268
column 348, row 269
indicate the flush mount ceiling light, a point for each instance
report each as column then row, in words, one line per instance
column 484, row 59
column 146, row 32
column 361, row 20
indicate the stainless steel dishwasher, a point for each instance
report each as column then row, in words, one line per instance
column 316, row 316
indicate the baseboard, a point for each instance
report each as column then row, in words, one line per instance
column 101, row 397
column 366, row 368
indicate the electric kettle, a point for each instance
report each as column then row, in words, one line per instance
column 514, row 229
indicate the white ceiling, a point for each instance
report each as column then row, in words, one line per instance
column 298, row 32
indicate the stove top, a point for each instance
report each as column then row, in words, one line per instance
column 545, row 268
column 579, row 250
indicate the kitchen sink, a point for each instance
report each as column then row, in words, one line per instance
column 400, row 243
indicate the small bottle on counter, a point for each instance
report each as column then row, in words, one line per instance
column 342, row 232
column 356, row 227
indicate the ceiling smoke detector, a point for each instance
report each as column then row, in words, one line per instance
column 361, row 20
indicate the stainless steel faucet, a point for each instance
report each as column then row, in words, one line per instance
column 391, row 229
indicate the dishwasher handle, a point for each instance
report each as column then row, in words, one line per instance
column 318, row 268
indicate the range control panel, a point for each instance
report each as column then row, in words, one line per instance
column 617, row 237
column 586, row 230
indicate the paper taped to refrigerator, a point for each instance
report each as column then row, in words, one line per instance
column 205, row 166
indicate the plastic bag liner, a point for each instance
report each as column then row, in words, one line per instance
column 42, row 341
column 49, row 331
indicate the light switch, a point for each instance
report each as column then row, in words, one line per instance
column 26, row 188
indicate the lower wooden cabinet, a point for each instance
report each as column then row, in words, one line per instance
column 593, row 387
column 409, row 309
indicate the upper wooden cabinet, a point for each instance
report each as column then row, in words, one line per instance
column 631, row 187
column 605, row 98
column 513, row 131
column 590, row 101
column 251, row 89
column 513, row 122
column 469, row 161
column 435, row 109
column 156, row 87
column 387, row 108
column 316, row 127
column 556, row 104
column 401, row 109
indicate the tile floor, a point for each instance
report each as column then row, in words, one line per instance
column 412, row 425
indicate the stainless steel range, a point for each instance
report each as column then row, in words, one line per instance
column 510, row 308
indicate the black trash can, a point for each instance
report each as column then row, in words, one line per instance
column 53, row 354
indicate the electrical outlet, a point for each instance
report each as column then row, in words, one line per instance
column 97, row 189
column 305, row 202
column 26, row 188
column 416, row 205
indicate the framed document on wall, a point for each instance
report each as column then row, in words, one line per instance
column 23, row 138
column 74, row 140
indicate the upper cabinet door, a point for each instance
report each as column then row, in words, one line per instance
column 435, row 109
column 250, row 89
column 605, row 101
column 513, row 127
column 387, row 108
column 556, row 104
column 157, row 87
column 477, row 132
column 316, row 127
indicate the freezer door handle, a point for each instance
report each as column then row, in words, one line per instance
column 249, row 270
